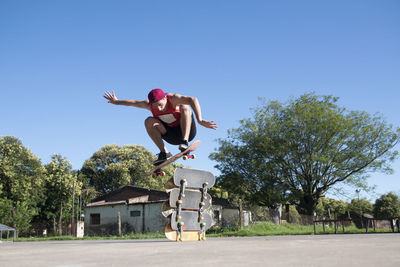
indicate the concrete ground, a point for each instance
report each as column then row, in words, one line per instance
column 320, row 250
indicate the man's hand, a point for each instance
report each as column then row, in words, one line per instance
column 208, row 124
column 110, row 97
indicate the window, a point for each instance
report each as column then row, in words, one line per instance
column 135, row 213
column 95, row 218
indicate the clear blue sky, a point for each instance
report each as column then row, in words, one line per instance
column 58, row 57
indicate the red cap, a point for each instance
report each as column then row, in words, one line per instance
column 156, row 95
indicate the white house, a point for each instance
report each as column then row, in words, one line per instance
column 139, row 210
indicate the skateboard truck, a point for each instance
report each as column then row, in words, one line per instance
column 181, row 225
column 202, row 232
column 158, row 172
column 188, row 156
column 181, row 195
column 179, row 202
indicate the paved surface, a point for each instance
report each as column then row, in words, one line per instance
column 321, row 250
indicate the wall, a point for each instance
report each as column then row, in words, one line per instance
column 136, row 218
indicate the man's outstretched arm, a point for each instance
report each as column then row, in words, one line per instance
column 133, row 103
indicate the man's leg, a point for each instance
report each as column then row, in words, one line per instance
column 156, row 129
column 186, row 121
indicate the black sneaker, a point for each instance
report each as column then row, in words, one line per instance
column 162, row 157
column 184, row 146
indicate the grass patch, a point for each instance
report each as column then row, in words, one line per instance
column 68, row 237
column 258, row 229
column 270, row 229
column 263, row 229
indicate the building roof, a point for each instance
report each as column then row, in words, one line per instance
column 5, row 228
column 128, row 191
column 129, row 194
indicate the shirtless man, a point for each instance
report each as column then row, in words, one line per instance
column 172, row 119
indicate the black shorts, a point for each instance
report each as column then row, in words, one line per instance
column 174, row 136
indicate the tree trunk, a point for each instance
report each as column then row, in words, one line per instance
column 14, row 215
column 241, row 219
column 60, row 219
column 308, row 204
column 14, row 223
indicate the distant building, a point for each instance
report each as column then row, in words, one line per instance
column 140, row 212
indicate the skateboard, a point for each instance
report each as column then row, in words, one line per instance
column 157, row 171
column 189, row 204
column 194, row 178
column 183, row 221
column 192, row 199
column 186, row 236
column 191, row 220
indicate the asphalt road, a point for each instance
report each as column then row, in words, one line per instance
column 320, row 250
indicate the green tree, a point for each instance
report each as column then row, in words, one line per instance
column 113, row 166
column 21, row 178
column 387, row 206
column 358, row 207
column 59, row 189
column 301, row 149
column 332, row 208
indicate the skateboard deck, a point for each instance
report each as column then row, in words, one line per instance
column 186, row 236
column 191, row 220
column 191, row 148
column 194, row 178
column 191, row 199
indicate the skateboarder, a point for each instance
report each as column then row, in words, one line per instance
column 172, row 119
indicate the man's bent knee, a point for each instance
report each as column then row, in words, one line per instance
column 185, row 109
column 151, row 122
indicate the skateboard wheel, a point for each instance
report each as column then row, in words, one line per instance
column 185, row 157
column 183, row 181
column 193, row 156
column 178, row 217
column 181, row 224
column 179, row 201
column 202, row 224
column 202, row 204
column 182, row 195
column 201, row 218
column 206, row 183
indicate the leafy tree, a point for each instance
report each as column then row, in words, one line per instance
column 358, row 207
column 332, row 208
column 21, row 178
column 387, row 206
column 301, row 149
column 59, row 189
column 113, row 166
